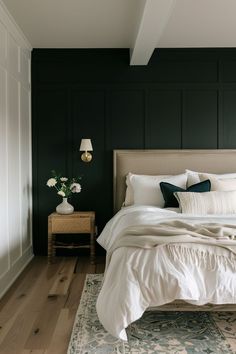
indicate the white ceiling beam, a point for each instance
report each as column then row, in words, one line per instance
column 153, row 19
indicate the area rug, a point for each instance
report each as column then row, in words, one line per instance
column 156, row 332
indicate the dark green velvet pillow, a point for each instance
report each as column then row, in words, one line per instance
column 169, row 189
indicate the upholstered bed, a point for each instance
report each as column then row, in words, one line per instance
column 192, row 270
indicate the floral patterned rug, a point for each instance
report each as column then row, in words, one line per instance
column 156, row 332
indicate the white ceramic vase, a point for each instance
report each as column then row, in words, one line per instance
column 65, row 207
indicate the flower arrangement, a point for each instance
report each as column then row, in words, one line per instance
column 65, row 187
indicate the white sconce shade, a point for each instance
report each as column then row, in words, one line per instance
column 86, row 146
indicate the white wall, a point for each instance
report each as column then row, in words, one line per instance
column 15, row 151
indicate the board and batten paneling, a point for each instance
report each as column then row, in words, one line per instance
column 125, row 115
column 15, row 152
column 163, row 119
column 229, row 122
column 184, row 98
column 200, row 122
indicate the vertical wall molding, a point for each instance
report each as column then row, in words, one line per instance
column 15, row 151
column 145, row 115
column 220, row 120
column 181, row 119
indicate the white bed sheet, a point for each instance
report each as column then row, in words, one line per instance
column 137, row 279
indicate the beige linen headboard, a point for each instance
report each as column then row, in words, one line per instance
column 158, row 162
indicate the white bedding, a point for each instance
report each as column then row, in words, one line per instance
column 137, row 279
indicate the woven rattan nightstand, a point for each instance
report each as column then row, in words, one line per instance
column 81, row 222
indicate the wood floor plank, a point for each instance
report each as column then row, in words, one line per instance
column 61, row 336
column 63, row 277
column 23, row 284
column 44, row 325
column 74, row 293
column 84, row 266
column 4, row 330
column 72, row 303
column 33, row 322
column 33, row 351
column 31, row 300
column 100, row 265
column 25, row 312
column 15, row 339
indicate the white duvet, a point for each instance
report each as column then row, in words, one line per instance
column 137, row 279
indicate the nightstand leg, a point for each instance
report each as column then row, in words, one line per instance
column 49, row 248
column 92, row 248
column 50, row 239
column 53, row 247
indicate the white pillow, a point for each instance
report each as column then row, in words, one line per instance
column 146, row 189
column 129, row 195
column 193, row 176
column 217, row 202
column 227, row 184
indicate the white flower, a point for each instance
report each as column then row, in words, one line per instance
column 75, row 188
column 51, row 182
column 63, row 179
column 61, row 193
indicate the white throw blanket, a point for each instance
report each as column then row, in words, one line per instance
column 176, row 233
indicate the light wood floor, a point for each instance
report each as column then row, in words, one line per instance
column 37, row 313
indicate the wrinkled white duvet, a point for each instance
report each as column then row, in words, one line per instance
column 137, row 279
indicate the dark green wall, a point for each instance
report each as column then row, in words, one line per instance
column 184, row 98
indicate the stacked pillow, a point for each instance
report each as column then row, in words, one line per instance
column 226, row 184
column 170, row 191
column 145, row 189
column 195, row 177
column 221, row 199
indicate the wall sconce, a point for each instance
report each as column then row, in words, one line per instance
column 86, row 146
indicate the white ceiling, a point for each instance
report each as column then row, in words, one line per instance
column 112, row 23
column 75, row 23
column 141, row 25
column 201, row 23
